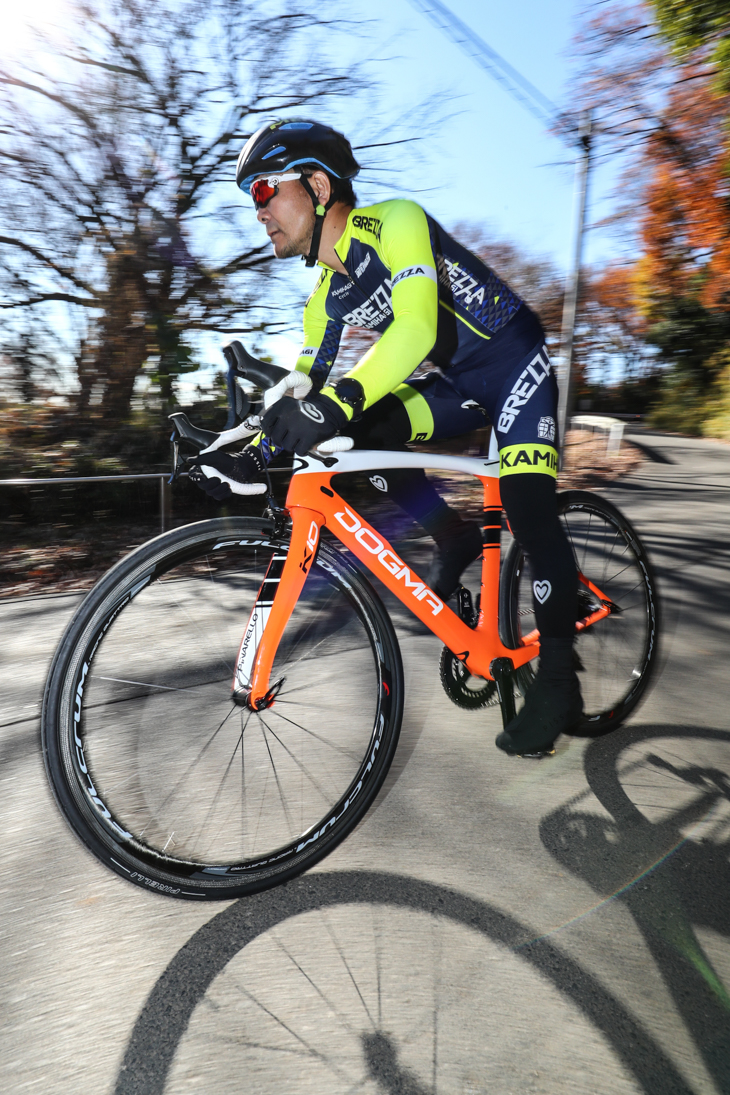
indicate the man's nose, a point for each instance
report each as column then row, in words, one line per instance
column 262, row 216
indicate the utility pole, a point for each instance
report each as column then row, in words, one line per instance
column 572, row 285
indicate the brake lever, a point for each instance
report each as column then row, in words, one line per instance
column 178, row 462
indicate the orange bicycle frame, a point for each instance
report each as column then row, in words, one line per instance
column 313, row 503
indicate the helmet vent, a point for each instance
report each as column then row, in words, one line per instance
column 274, row 152
column 295, row 125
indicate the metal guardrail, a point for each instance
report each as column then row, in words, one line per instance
column 165, row 492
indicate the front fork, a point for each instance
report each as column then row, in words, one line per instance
column 274, row 605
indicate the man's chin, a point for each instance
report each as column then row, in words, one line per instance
column 286, row 249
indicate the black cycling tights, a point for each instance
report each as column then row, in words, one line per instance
column 528, row 500
column 532, row 512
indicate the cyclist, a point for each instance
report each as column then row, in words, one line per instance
column 392, row 269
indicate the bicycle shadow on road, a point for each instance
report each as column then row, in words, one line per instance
column 167, row 1013
column 663, row 853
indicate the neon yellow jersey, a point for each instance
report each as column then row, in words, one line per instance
column 409, row 280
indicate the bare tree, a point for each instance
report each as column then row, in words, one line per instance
column 121, row 230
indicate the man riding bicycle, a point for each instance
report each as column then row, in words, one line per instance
column 392, row 269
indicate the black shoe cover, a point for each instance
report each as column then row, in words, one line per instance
column 452, row 556
column 553, row 704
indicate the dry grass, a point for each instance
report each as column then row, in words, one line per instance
column 586, row 463
column 76, row 564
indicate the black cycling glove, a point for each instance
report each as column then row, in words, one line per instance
column 297, row 425
column 221, row 474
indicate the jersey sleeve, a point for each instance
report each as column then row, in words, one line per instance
column 321, row 336
column 405, row 246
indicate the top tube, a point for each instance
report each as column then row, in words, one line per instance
column 377, row 459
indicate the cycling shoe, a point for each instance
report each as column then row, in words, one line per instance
column 553, row 704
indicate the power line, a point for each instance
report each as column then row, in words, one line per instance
column 518, row 86
column 546, row 112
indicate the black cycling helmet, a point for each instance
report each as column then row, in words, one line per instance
column 284, row 144
column 277, row 147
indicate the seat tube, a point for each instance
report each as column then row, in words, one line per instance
column 491, row 530
column 306, row 527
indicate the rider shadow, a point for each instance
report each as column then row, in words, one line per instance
column 670, row 884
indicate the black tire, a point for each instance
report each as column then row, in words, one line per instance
column 616, row 656
column 161, row 775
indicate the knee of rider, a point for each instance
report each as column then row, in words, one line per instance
column 530, row 505
column 385, row 425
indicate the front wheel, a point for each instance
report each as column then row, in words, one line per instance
column 163, row 777
column 617, row 655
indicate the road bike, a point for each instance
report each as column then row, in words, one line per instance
column 224, row 706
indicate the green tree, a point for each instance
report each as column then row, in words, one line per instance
column 692, row 25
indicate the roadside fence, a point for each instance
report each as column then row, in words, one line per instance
column 165, row 494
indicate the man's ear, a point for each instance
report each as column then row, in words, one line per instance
column 321, row 186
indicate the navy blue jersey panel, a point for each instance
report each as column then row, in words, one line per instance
column 327, row 353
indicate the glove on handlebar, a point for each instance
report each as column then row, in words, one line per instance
column 221, row 474
column 298, row 425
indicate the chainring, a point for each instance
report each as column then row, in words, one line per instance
column 462, row 688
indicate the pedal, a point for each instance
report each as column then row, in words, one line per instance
column 537, row 755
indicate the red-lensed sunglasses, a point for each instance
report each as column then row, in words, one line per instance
column 263, row 190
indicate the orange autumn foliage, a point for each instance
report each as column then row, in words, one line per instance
column 685, row 227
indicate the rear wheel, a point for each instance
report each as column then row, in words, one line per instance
column 617, row 655
column 164, row 778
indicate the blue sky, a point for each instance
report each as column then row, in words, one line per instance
column 492, row 162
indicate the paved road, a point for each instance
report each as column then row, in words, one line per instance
column 494, row 925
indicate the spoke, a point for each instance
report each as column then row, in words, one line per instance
column 284, row 806
column 336, row 674
column 198, row 627
column 219, row 790
column 142, row 684
column 588, row 532
column 317, row 612
column 378, row 970
column 351, row 754
column 311, row 651
column 569, row 532
column 237, row 1041
column 300, row 766
column 244, row 727
column 197, row 759
column 617, row 537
